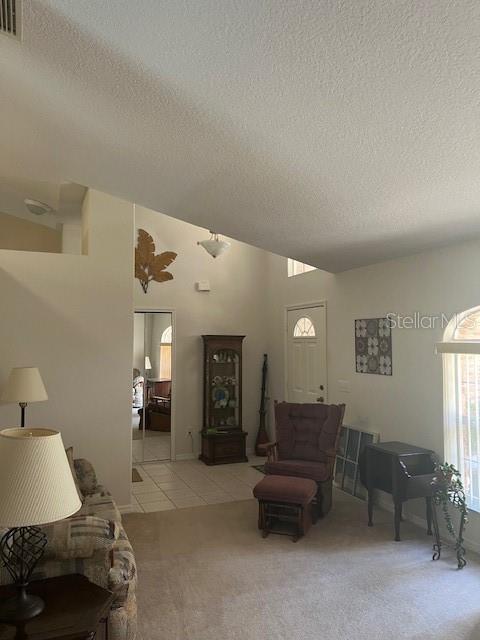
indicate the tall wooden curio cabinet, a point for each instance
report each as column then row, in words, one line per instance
column 223, row 438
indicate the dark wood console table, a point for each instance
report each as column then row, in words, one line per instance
column 403, row 470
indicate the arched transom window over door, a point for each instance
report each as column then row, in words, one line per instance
column 461, row 366
column 304, row 328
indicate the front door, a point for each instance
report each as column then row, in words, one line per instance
column 306, row 354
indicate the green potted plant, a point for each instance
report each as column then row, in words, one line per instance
column 448, row 490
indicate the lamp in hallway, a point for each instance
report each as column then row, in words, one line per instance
column 148, row 364
column 36, row 487
column 24, row 385
column 214, row 246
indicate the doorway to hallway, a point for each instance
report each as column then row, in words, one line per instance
column 152, row 386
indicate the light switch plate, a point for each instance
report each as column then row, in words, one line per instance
column 203, row 285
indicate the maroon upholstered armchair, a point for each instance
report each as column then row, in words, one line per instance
column 306, row 446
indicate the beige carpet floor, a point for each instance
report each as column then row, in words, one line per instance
column 206, row 574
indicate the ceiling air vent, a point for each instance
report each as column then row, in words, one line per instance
column 10, row 14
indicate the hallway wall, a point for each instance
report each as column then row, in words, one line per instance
column 236, row 304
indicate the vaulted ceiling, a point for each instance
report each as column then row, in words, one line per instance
column 340, row 133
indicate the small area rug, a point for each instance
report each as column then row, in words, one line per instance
column 136, row 477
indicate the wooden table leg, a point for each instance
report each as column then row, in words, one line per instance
column 370, row 507
column 397, row 518
column 261, row 515
column 20, row 633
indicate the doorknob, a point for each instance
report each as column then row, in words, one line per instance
column 321, row 387
column 320, row 399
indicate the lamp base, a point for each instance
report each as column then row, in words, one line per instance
column 21, row 607
column 20, row 550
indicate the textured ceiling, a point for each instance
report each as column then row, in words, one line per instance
column 340, row 133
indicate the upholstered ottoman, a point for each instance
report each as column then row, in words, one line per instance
column 285, row 505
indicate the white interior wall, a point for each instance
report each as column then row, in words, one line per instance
column 72, row 316
column 72, row 238
column 19, row 234
column 235, row 305
column 408, row 406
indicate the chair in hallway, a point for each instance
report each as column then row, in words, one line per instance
column 306, row 446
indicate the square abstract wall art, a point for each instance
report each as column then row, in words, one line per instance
column 373, row 346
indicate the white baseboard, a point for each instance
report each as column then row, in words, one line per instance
column 194, row 456
column 186, row 456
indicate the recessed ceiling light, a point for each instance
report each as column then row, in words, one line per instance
column 36, row 207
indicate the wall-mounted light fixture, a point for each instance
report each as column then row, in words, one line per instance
column 214, row 246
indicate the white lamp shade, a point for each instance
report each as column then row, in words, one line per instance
column 24, row 385
column 215, row 247
column 36, row 483
column 148, row 364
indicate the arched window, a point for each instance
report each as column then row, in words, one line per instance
column 461, row 366
column 167, row 335
column 304, row 328
column 166, row 355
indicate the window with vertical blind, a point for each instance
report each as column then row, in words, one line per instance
column 461, row 360
column 166, row 355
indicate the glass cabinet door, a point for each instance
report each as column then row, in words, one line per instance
column 224, row 400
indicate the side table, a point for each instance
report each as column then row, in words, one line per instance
column 403, row 470
column 74, row 609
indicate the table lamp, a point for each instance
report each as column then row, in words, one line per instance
column 24, row 385
column 36, row 487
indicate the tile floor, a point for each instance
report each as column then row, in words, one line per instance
column 155, row 446
column 189, row 483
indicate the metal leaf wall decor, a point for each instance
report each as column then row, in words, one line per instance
column 149, row 266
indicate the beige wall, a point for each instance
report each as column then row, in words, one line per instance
column 407, row 406
column 72, row 238
column 235, row 305
column 72, row 316
column 22, row 235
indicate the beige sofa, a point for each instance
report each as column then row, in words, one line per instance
column 93, row 542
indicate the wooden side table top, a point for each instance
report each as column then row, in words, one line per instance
column 74, row 607
column 400, row 449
